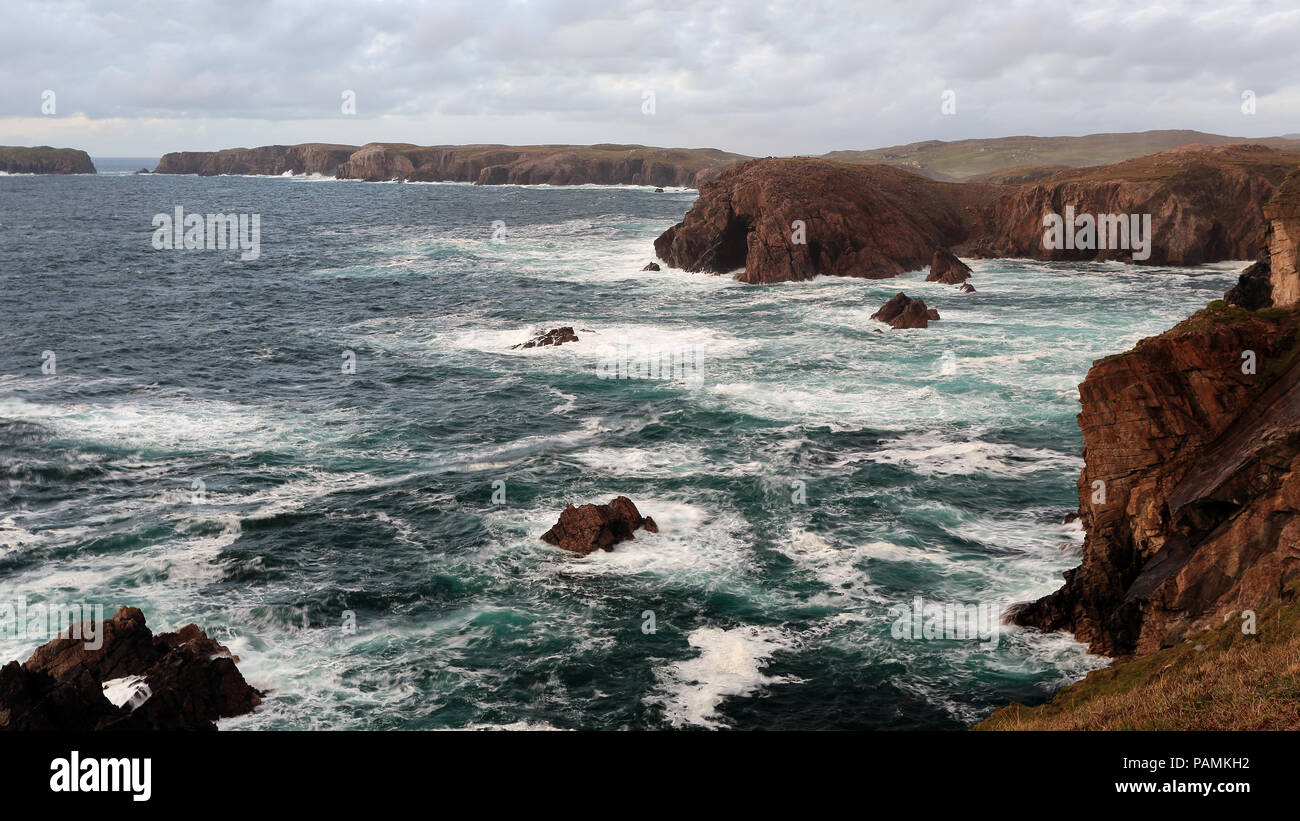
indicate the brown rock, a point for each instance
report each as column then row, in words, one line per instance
column 903, row 311
column 1281, row 241
column 946, row 268
column 1190, row 494
column 591, row 527
column 967, row 288
column 864, row 221
column 653, row 266
column 555, row 336
column 192, row 681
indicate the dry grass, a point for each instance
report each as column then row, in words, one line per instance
column 1233, row 682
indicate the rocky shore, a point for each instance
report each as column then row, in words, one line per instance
column 604, row 164
column 44, row 160
column 777, row 220
column 1190, row 499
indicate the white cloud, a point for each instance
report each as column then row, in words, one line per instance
column 771, row 78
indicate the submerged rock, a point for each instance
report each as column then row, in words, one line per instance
column 967, row 288
column 591, row 527
column 133, row 681
column 905, row 312
column 555, row 336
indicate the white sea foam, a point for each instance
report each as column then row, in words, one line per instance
column 730, row 664
column 931, row 453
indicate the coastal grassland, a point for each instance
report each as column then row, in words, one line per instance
column 1218, row 679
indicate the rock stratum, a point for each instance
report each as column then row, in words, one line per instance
column 170, row 681
column 777, row 220
column 604, row 164
column 44, row 160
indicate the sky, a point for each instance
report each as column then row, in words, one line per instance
column 139, row 79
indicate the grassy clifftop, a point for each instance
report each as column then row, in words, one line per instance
column 1218, row 679
column 962, row 159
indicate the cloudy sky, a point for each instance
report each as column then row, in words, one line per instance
column 133, row 78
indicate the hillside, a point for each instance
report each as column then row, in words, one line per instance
column 963, row 159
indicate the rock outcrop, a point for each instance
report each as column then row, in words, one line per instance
column 777, row 220
column 588, row 528
column 481, row 164
column 946, row 268
column 967, row 288
column 902, row 311
column 44, row 160
column 651, row 266
column 170, row 681
column 555, row 336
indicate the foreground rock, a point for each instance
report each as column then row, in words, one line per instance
column 480, row 164
column 171, row 681
column 588, row 528
column 1190, row 492
column 946, row 268
column 44, row 160
column 555, row 336
column 905, row 312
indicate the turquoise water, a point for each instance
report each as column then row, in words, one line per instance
column 810, row 476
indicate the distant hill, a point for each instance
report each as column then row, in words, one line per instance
column 968, row 159
column 41, row 159
column 483, row 164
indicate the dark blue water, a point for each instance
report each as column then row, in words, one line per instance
column 201, row 451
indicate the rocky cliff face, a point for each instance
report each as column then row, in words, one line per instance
column 44, row 160
column 1281, row 240
column 1190, row 494
column 792, row 219
column 481, row 164
column 1205, row 204
column 1191, row 491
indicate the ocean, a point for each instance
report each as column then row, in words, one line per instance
column 330, row 458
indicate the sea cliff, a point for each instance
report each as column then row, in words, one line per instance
column 481, row 164
column 44, row 160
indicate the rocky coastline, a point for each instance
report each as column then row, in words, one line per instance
column 604, row 164
column 1190, row 500
column 779, row 220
